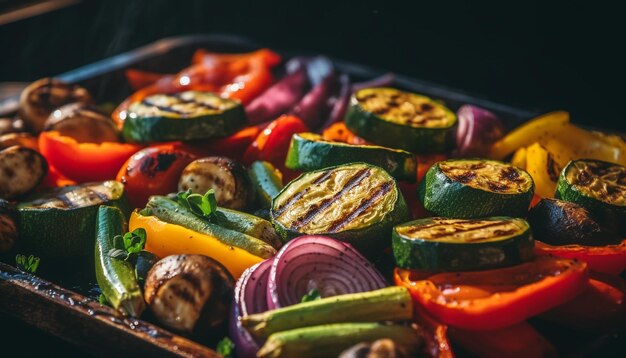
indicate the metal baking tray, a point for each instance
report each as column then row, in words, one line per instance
column 63, row 302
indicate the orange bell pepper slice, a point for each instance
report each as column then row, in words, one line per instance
column 84, row 162
column 492, row 299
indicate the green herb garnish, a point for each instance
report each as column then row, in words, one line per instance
column 312, row 295
column 129, row 244
column 103, row 300
column 28, row 264
column 204, row 206
column 225, row 347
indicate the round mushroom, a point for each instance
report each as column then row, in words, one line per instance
column 8, row 226
column 83, row 122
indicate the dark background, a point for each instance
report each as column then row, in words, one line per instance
column 539, row 55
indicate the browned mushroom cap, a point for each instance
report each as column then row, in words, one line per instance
column 382, row 348
column 21, row 170
column 187, row 292
column 8, row 226
column 83, row 122
column 229, row 179
column 43, row 96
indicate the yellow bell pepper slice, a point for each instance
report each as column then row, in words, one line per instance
column 519, row 158
column 529, row 133
column 540, row 164
column 164, row 239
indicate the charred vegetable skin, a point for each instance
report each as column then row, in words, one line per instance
column 310, row 151
column 8, row 226
column 599, row 187
column 473, row 188
column 438, row 244
column 83, row 122
column 189, row 293
column 115, row 277
column 42, row 97
column 229, row 179
column 69, row 216
column 357, row 203
column 182, row 116
column 558, row 222
column 21, row 170
column 403, row 120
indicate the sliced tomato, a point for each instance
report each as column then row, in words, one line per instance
column 493, row 299
column 609, row 259
column 84, row 162
column 154, row 171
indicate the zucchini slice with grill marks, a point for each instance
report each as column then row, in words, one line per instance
column 472, row 188
column 309, row 151
column 439, row 244
column 398, row 119
column 182, row 116
column 357, row 203
column 599, row 187
column 61, row 223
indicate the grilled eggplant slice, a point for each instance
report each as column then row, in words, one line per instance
column 229, row 179
column 83, row 122
column 404, row 120
column 558, row 222
column 21, row 139
column 21, row 170
column 473, row 188
column 42, row 97
column 439, row 244
column 309, row 151
column 182, row 116
column 599, row 187
column 8, row 226
column 69, row 216
column 357, row 203
column 189, row 293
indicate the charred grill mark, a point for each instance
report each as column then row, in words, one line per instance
column 147, row 102
column 477, row 166
column 67, row 202
column 180, row 99
column 289, row 202
column 425, row 107
column 553, row 168
column 151, row 165
column 511, row 174
column 363, row 206
column 495, row 186
column 381, row 110
column 458, row 230
column 183, row 293
column 465, row 177
column 314, row 210
column 92, row 193
column 8, row 172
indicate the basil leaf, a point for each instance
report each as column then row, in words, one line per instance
column 29, row 264
column 135, row 241
column 225, row 347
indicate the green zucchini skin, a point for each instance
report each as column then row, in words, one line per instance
column 421, row 140
column 248, row 224
column 267, row 180
column 369, row 239
column 308, row 151
column 611, row 218
column 436, row 256
column 63, row 233
column 158, row 128
column 445, row 197
column 115, row 277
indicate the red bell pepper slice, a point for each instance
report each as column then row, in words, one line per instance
column 233, row 146
column 272, row 143
column 84, row 162
column 138, row 79
column 338, row 132
column 609, row 259
column 517, row 341
column 435, row 333
column 154, row 171
column 492, row 299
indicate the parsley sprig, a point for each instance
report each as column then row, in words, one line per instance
column 127, row 246
column 28, row 264
column 225, row 347
column 204, row 206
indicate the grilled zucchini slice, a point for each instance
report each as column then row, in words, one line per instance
column 440, row 244
column 599, row 187
column 182, row 116
column 472, row 188
column 398, row 119
column 358, row 203
column 309, row 151
column 69, row 217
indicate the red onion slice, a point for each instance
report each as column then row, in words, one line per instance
column 340, row 102
column 318, row 262
column 249, row 298
column 278, row 99
column 478, row 129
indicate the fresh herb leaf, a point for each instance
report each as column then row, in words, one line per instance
column 135, row 241
column 103, row 300
column 118, row 254
column 28, row 264
column 204, row 206
column 225, row 347
column 312, row 295
column 145, row 212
